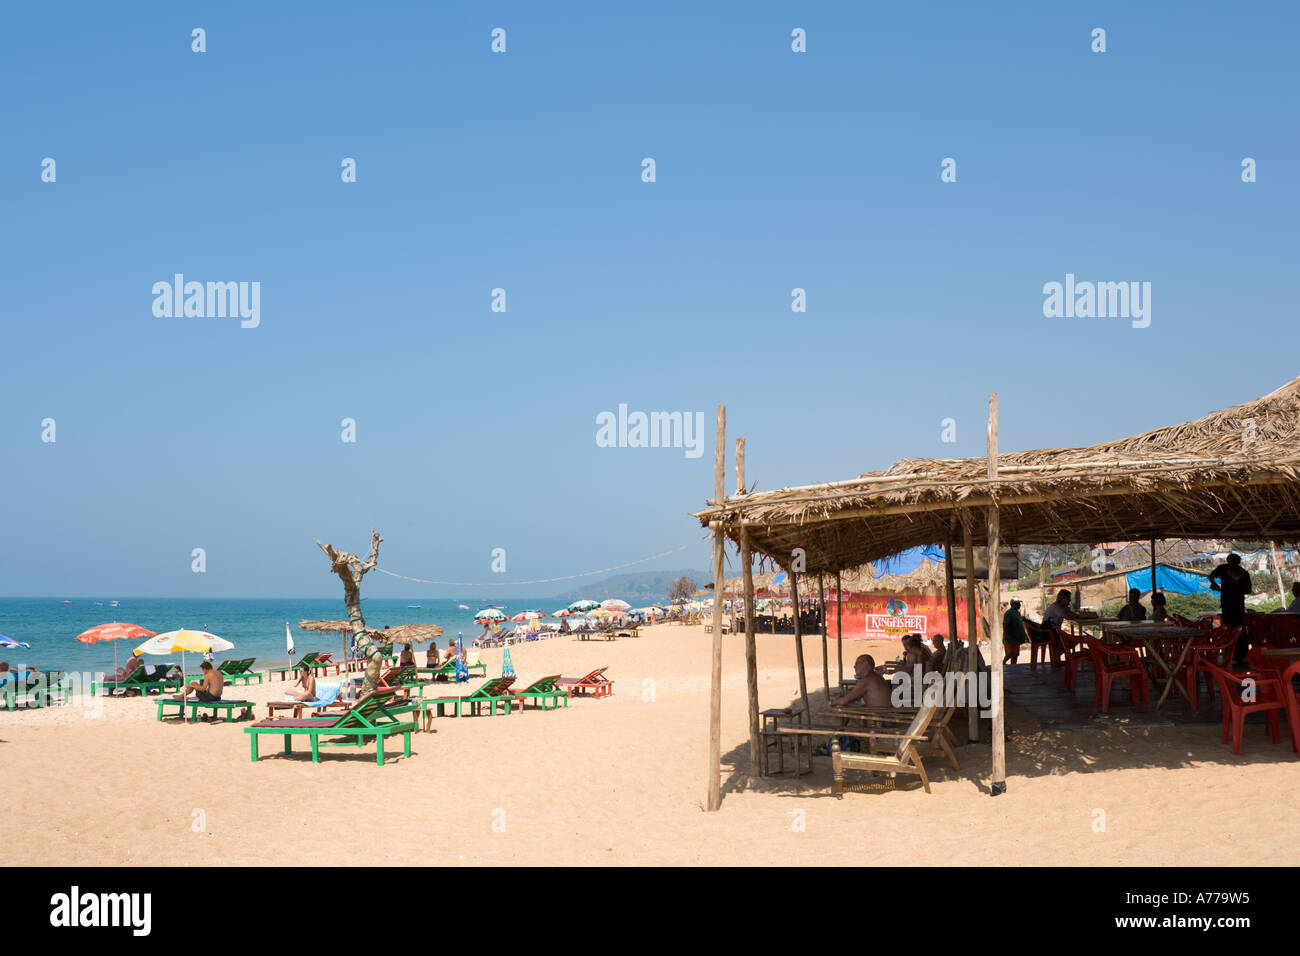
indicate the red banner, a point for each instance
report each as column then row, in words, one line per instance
column 892, row 616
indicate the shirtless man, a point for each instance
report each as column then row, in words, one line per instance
column 871, row 690
column 209, row 689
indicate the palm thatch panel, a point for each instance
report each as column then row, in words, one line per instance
column 1233, row 473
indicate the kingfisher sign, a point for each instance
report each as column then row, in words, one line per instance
column 889, row 617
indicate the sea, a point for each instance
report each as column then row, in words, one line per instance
column 254, row 626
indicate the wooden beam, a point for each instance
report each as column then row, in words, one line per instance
column 972, row 632
column 999, row 782
column 839, row 624
column 751, row 652
column 826, row 664
column 949, row 588
column 798, row 648
column 714, row 797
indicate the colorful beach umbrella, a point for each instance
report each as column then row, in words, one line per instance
column 507, row 666
column 584, row 605
column 528, row 616
column 489, row 614
column 614, row 604
column 183, row 640
column 563, row 612
column 115, row 631
column 10, row 642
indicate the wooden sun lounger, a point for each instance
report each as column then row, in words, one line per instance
column 228, row 708
column 906, row 757
column 371, row 716
column 137, row 681
column 494, row 692
column 309, row 659
column 544, row 691
column 596, row 682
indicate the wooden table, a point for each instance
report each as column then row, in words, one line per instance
column 1149, row 633
column 591, row 635
column 773, row 739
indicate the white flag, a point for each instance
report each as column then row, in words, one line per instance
column 288, row 639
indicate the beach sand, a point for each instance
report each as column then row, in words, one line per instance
column 621, row 780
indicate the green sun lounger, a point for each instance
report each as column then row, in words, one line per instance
column 237, row 671
column 371, row 716
column 495, row 692
column 31, row 690
column 137, row 681
column 228, row 708
column 545, row 691
column 448, row 669
column 308, row 659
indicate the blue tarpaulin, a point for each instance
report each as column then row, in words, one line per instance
column 1170, row 580
column 905, row 562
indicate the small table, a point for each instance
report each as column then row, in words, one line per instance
column 773, row 740
column 1149, row 633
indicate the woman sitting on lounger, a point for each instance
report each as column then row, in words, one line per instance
column 307, row 681
column 431, row 658
column 407, row 657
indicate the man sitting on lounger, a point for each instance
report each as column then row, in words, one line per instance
column 207, row 690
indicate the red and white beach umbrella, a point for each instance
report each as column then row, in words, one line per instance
column 115, row 631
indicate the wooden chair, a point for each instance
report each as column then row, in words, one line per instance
column 906, row 758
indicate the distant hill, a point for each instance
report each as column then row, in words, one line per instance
column 638, row 589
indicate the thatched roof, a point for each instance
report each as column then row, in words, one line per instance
column 332, row 626
column 1234, row 473
column 411, row 633
column 928, row 575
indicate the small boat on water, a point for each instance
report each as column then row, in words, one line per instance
column 463, row 607
column 415, row 605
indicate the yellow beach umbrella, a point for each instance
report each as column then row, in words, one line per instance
column 196, row 642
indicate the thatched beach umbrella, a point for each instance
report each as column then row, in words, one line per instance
column 329, row 627
column 411, row 633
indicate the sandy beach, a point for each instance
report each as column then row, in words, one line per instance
column 621, row 781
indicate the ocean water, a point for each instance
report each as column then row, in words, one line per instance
column 255, row 627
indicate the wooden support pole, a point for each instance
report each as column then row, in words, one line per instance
column 972, row 632
column 839, row 624
column 751, row 652
column 1281, row 587
column 826, row 664
column 798, row 648
column 949, row 589
column 999, row 782
column 1153, row 565
column 714, row 798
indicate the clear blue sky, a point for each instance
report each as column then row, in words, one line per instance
column 775, row 170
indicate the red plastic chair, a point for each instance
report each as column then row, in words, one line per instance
column 1217, row 644
column 1268, row 695
column 1286, row 675
column 1041, row 643
column 1129, row 664
column 1074, row 657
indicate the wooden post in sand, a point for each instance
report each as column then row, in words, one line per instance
column 798, row 649
column 714, row 800
column 751, row 653
column 1281, row 588
column 1153, row 566
column 950, row 590
column 972, row 636
column 999, row 783
column 826, row 664
column 839, row 624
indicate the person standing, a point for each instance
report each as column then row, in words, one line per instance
column 1013, row 633
column 1232, row 581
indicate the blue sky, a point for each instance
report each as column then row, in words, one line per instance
column 775, row 170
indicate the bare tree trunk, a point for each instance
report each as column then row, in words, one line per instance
column 351, row 570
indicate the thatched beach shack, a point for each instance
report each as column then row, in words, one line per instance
column 1232, row 473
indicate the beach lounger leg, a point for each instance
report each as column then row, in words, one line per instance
column 288, row 744
column 253, row 739
column 406, row 744
column 379, row 748
column 315, row 748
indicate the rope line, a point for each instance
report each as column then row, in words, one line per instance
column 563, row 577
